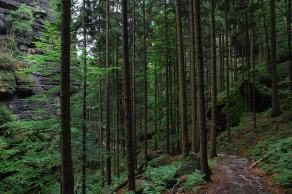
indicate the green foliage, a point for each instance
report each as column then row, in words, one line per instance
column 22, row 20
column 278, row 160
column 192, row 181
column 8, row 44
column 5, row 115
column 7, row 62
column 159, row 178
column 30, row 161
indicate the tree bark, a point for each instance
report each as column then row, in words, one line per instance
column 107, row 109
column 201, row 92
column 145, row 84
column 214, row 80
column 66, row 156
column 128, row 100
column 275, row 101
column 181, row 72
column 84, row 101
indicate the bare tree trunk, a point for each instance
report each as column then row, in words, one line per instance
column 167, row 66
column 128, row 101
column 214, row 80
column 289, row 41
column 108, row 128
column 227, row 70
column 193, row 78
column 201, row 92
column 275, row 101
column 145, row 84
column 182, row 91
column 134, row 83
column 66, row 157
column 84, row 102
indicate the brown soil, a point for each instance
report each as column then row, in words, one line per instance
column 233, row 176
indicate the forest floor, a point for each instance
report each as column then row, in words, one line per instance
column 233, row 175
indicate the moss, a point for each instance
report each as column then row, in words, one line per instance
column 25, row 78
column 7, row 83
column 7, row 62
column 236, row 103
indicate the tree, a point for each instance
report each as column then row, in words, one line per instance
column 167, row 70
column 84, row 100
column 289, row 31
column 193, row 78
column 214, row 79
column 181, row 72
column 145, row 83
column 66, row 165
column 275, row 101
column 128, row 101
column 201, row 92
column 108, row 128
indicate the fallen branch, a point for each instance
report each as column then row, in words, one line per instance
column 258, row 161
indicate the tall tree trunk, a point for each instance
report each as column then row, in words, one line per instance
column 193, row 77
column 227, row 70
column 84, row 101
column 66, row 157
column 167, row 69
column 101, row 132
column 214, row 79
column 289, row 41
column 221, row 73
column 252, row 61
column 134, row 83
column 107, row 109
column 275, row 101
column 155, row 108
column 201, row 91
column 145, row 84
column 181, row 72
column 128, row 101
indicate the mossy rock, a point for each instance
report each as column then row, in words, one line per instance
column 7, row 84
column 189, row 165
column 25, row 84
column 240, row 101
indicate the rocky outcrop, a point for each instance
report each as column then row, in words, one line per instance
column 24, row 84
column 41, row 10
column 7, row 84
column 15, row 83
column 240, row 101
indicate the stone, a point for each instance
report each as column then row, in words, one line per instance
column 24, row 84
column 189, row 165
column 7, row 84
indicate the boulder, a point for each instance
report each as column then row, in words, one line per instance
column 189, row 165
column 7, row 84
column 24, row 84
column 239, row 101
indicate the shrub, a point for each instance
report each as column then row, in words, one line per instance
column 5, row 115
column 7, row 62
column 192, row 181
column 160, row 178
column 21, row 20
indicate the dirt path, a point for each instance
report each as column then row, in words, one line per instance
column 232, row 176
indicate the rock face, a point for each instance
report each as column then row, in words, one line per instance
column 41, row 10
column 7, row 84
column 240, row 98
column 15, row 83
column 24, row 84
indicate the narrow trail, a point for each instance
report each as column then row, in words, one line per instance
column 233, row 176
